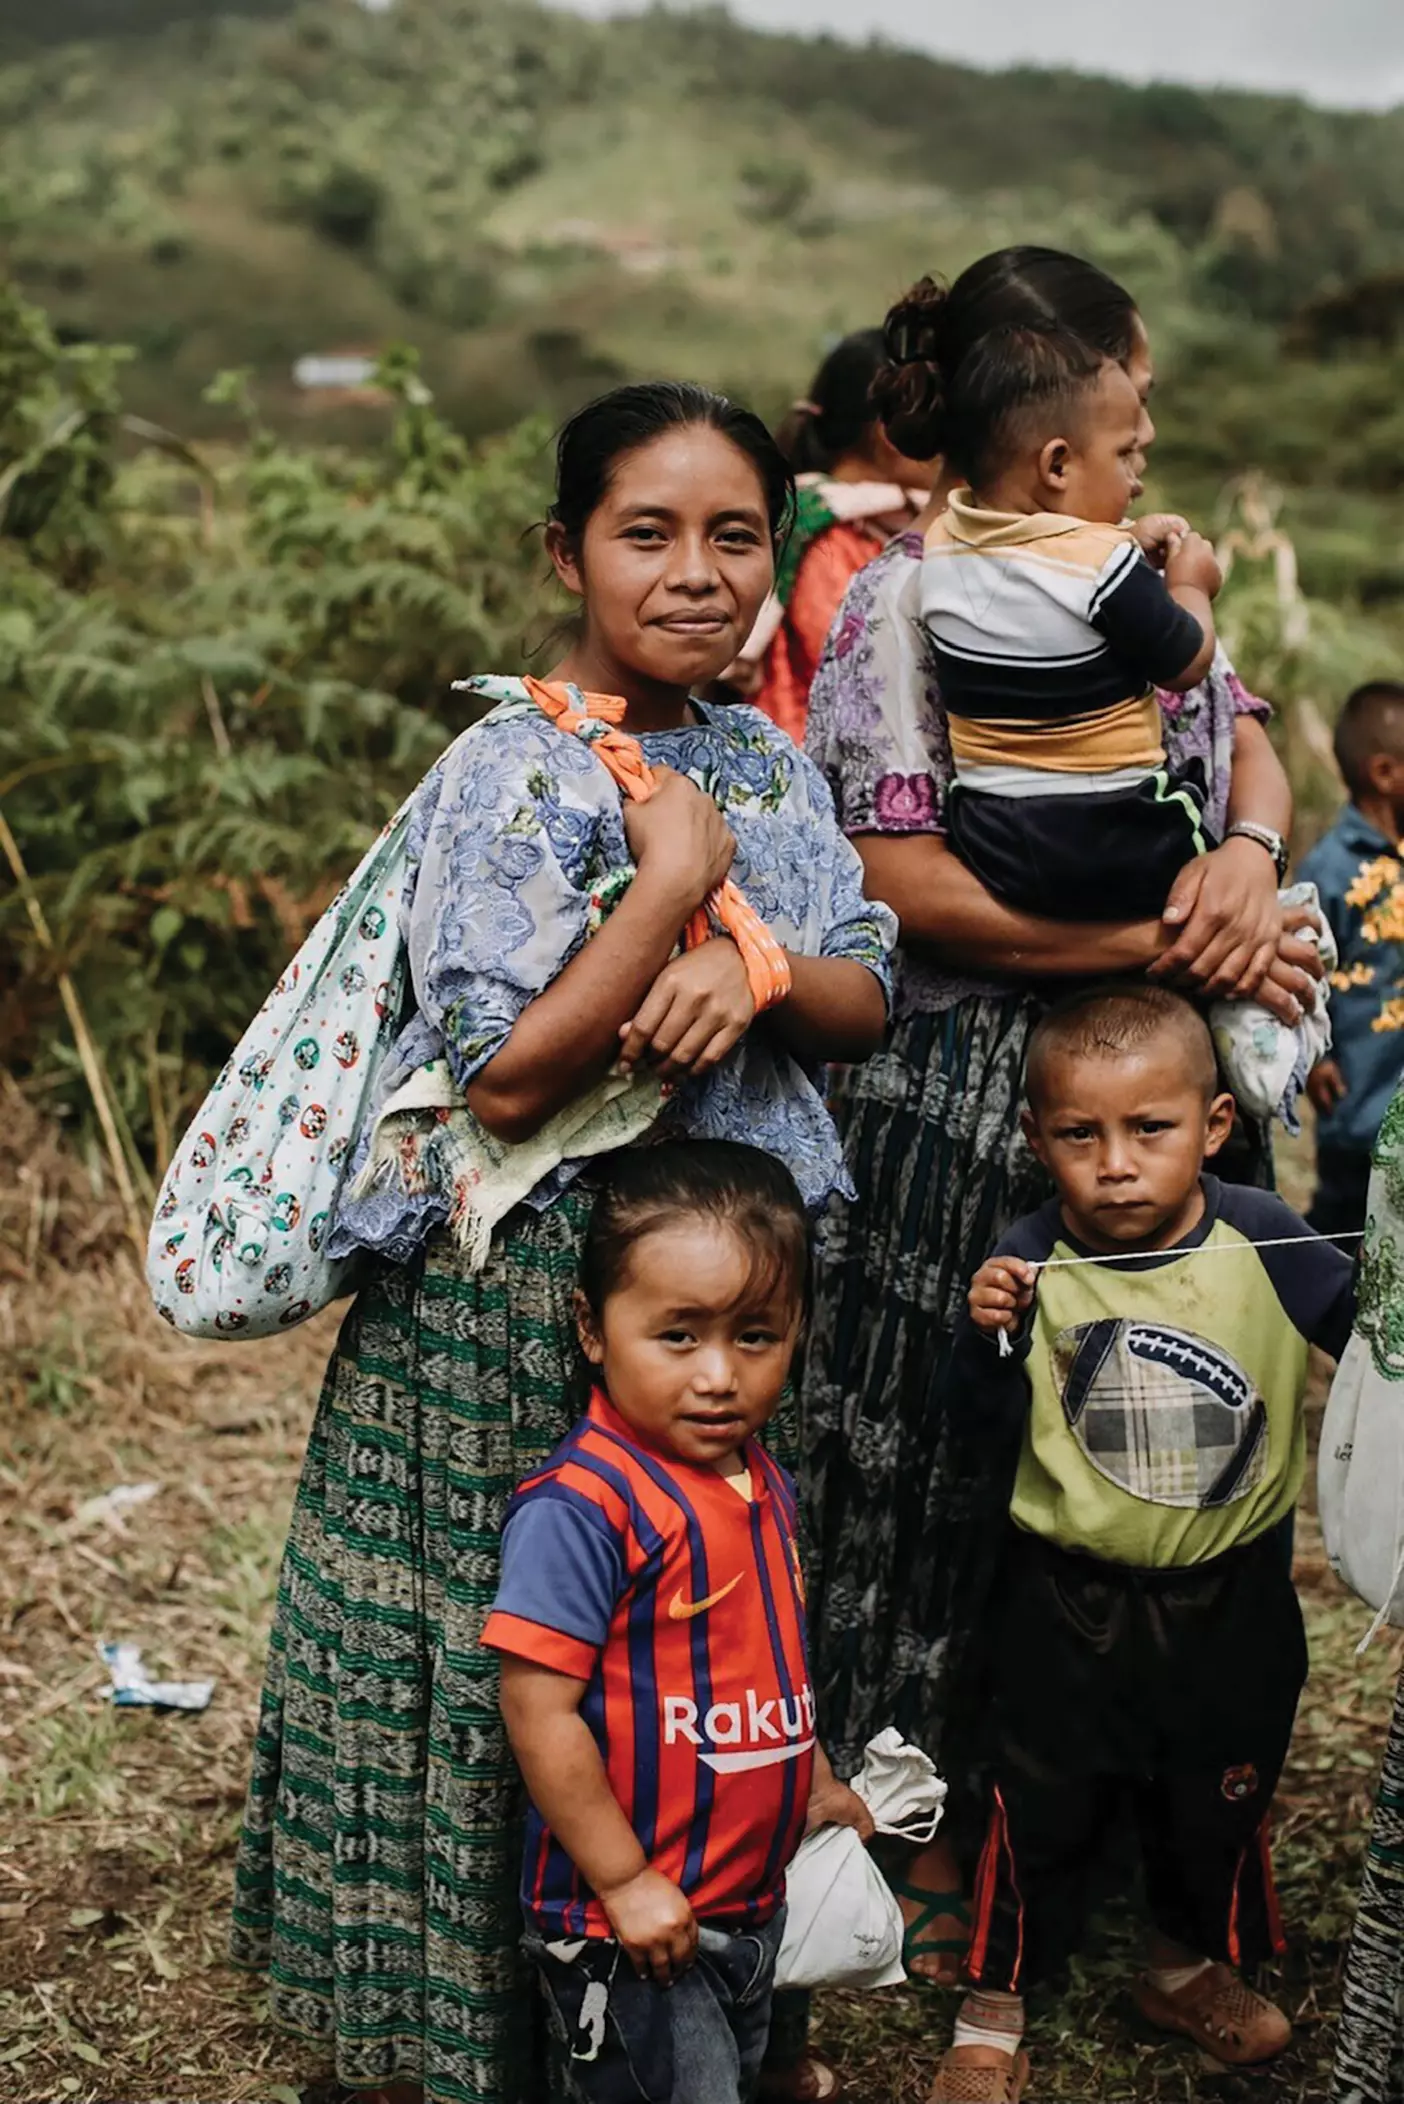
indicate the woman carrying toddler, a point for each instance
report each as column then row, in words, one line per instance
column 908, row 1525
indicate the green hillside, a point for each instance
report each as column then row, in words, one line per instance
column 542, row 203
column 220, row 668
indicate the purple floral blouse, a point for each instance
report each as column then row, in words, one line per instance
column 877, row 732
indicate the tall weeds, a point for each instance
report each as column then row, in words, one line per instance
column 216, row 679
column 218, row 675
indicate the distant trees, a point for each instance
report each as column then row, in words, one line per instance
column 36, row 22
column 1366, row 315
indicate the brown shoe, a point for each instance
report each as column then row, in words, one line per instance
column 980, row 2075
column 1231, row 2025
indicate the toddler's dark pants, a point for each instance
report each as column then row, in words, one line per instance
column 1110, row 855
column 1165, row 1696
column 622, row 2040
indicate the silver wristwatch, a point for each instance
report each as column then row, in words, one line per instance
column 1249, row 829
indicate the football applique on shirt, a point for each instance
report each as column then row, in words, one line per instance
column 1161, row 1412
column 1158, row 1398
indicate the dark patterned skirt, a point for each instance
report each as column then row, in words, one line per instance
column 1370, row 2048
column 905, row 1530
column 380, row 1865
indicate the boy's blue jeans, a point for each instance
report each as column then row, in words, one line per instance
column 624, row 2040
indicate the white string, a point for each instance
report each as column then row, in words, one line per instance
column 1201, row 1249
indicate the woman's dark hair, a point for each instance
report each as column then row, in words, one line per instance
column 721, row 1180
column 838, row 412
column 950, row 351
column 594, row 441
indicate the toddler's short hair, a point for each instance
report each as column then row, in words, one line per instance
column 1014, row 391
column 1371, row 721
column 725, row 1181
column 1101, row 1022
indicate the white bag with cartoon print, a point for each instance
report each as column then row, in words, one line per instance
column 236, row 1247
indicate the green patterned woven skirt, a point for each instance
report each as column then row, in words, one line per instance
column 1370, row 2044
column 380, row 1865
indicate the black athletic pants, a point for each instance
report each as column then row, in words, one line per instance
column 1165, row 1696
column 1109, row 855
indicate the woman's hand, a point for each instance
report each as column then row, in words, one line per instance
column 1001, row 1294
column 695, row 1011
column 679, row 839
column 654, row 1925
column 1292, row 976
column 1326, row 1086
column 1225, row 908
column 744, row 677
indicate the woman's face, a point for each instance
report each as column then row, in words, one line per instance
column 676, row 559
column 1140, row 371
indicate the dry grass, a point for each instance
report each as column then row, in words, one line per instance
column 117, row 1830
column 117, row 1827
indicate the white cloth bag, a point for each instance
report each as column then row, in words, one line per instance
column 1360, row 1482
column 1360, row 1468
column 1265, row 1061
column 237, row 1247
column 844, row 1927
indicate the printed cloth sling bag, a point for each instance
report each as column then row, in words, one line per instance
column 237, row 1244
column 1360, row 1467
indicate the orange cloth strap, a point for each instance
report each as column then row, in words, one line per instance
column 767, row 966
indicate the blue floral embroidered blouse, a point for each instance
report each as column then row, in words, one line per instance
column 518, row 835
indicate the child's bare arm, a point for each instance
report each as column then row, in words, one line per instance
column 1193, row 579
column 567, row 1783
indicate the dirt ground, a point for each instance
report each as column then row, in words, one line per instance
column 117, row 1828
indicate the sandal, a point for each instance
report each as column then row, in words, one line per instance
column 812, row 2080
column 995, row 2078
column 1231, row 2024
column 930, row 1907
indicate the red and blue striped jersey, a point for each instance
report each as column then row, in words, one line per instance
column 680, row 1604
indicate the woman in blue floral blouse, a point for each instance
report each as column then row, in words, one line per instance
column 381, row 1855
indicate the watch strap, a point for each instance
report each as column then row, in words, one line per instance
column 1266, row 837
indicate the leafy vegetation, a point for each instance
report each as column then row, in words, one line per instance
column 217, row 677
column 227, row 625
column 227, row 631
column 544, row 203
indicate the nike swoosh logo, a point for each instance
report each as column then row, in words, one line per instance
column 680, row 1610
column 761, row 1757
